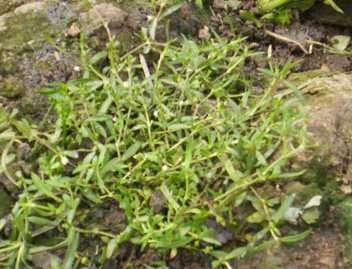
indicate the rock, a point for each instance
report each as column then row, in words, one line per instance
column 60, row 14
column 328, row 102
column 204, row 33
column 102, row 14
column 23, row 151
column 8, row 5
column 157, row 202
column 30, row 35
column 186, row 21
column 221, row 233
column 35, row 48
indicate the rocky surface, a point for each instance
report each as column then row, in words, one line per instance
column 329, row 104
column 31, row 53
column 40, row 44
column 40, row 41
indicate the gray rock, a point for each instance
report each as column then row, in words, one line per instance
column 328, row 103
column 29, row 54
column 102, row 14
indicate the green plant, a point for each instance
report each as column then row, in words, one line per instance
column 269, row 5
column 174, row 123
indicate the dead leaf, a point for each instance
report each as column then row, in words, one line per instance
column 73, row 31
column 315, row 201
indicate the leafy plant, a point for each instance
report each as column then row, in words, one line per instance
column 178, row 124
column 269, row 5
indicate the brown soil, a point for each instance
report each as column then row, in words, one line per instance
column 323, row 250
column 304, row 28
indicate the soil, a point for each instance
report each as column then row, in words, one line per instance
column 30, row 66
column 321, row 251
column 303, row 29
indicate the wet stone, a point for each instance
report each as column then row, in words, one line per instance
column 100, row 14
column 60, row 14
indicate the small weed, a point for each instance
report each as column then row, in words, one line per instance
column 174, row 122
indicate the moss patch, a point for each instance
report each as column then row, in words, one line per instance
column 11, row 87
column 8, row 5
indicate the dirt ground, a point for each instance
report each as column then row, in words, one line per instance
column 304, row 28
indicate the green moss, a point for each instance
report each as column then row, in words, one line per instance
column 8, row 5
column 22, row 34
column 24, row 30
column 11, row 87
column 302, row 77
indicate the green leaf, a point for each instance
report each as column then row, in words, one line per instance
column 43, row 187
column 168, row 195
column 7, row 135
column 227, row 256
column 256, row 217
column 98, row 57
column 260, row 157
column 131, row 151
column 170, row 10
column 113, row 165
column 311, row 215
column 333, row 5
column 40, row 220
column 178, row 127
column 296, row 237
column 231, row 170
column 72, row 242
column 283, row 208
column 211, row 241
column 199, row 3
column 105, row 106
column 111, row 247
